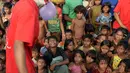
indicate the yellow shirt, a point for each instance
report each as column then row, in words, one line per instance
column 91, row 48
column 116, row 61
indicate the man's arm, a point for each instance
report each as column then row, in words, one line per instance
column 116, row 15
column 20, row 56
column 67, row 18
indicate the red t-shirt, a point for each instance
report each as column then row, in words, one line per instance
column 123, row 8
column 24, row 26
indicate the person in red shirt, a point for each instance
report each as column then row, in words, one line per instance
column 21, row 35
column 122, row 15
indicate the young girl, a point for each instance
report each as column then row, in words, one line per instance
column 77, row 66
column 90, row 60
column 121, row 50
column 123, row 66
column 105, row 17
column 42, row 67
column 78, row 23
column 69, row 47
column 105, row 47
column 7, row 12
column 103, row 65
column 35, row 56
column 95, row 11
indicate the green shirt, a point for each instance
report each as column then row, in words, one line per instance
column 69, row 6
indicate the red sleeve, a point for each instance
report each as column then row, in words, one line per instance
column 25, row 26
column 118, row 6
column 59, row 10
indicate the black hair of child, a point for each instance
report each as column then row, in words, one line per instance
column 89, row 28
column 80, row 52
column 105, row 27
column 52, row 37
column 80, row 9
column 106, row 4
column 89, row 36
column 103, row 57
column 123, row 43
column 68, row 31
column 123, row 30
column 8, row 5
column 92, row 54
column 127, row 63
column 106, row 42
column 67, row 42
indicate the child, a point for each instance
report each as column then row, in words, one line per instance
column 55, row 25
column 100, row 38
column 77, row 65
column 69, row 47
column 105, row 30
column 123, row 66
column 90, row 60
column 95, row 11
column 7, row 11
column 105, row 17
column 35, row 56
column 42, row 67
column 68, row 35
column 87, row 43
column 45, row 47
column 78, row 23
column 105, row 47
column 103, row 65
column 121, row 49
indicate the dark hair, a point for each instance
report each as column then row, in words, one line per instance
column 67, row 42
column 52, row 37
column 105, row 27
column 106, row 4
column 127, row 63
column 103, row 57
column 68, row 31
column 123, row 43
column 8, row 5
column 80, row 52
column 89, row 28
column 92, row 54
column 107, row 43
column 123, row 30
column 80, row 8
column 89, row 36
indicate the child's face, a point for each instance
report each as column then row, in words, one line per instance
column 34, row 54
column 120, row 50
column 97, row 2
column 41, row 64
column 102, row 38
column 106, row 9
column 122, row 67
column 104, row 31
column 79, row 15
column 78, row 58
column 6, row 10
column 70, row 46
column 68, row 35
column 46, row 43
column 52, row 43
column 103, row 64
column 89, row 59
column 104, row 49
column 87, row 42
column 119, row 35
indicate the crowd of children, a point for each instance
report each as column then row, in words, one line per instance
column 79, row 39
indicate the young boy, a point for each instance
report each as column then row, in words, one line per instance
column 105, row 30
column 87, row 43
column 56, row 57
column 78, row 24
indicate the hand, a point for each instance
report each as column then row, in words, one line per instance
column 48, row 34
column 123, row 26
column 63, row 37
column 52, row 67
column 83, row 68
